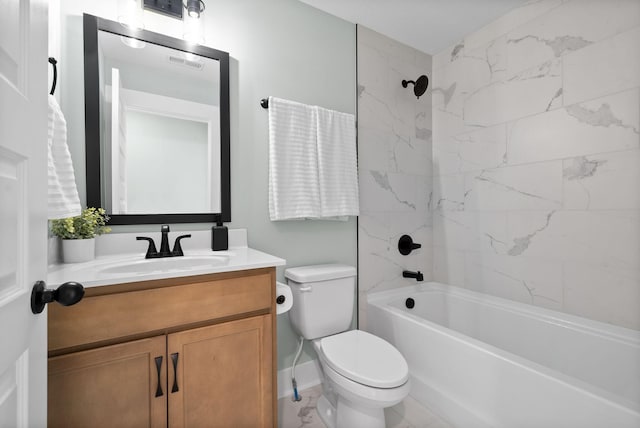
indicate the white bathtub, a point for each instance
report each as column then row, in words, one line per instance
column 482, row 361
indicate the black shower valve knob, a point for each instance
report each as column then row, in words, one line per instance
column 406, row 245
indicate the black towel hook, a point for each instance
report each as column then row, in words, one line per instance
column 54, row 63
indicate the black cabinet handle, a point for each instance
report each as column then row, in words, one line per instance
column 174, row 359
column 159, row 392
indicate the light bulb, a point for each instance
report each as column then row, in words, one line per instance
column 193, row 29
column 130, row 14
column 194, row 7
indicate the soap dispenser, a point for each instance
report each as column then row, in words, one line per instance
column 219, row 236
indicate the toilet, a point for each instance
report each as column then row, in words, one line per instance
column 362, row 373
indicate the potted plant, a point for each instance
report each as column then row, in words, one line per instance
column 78, row 234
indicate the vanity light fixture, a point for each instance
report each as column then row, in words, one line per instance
column 194, row 8
column 193, row 28
column 131, row 17
column 192, row 31
column 172, row 8
column 130, row 14
column 192, row 23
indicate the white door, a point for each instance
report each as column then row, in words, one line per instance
column 23, row 211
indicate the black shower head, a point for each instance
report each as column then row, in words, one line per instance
column 419, row 86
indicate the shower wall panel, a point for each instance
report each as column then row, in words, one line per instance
column 394, row 162
column 536, row 161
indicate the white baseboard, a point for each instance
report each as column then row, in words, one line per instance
column 307, row 375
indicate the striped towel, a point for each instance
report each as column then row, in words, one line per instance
column 63, row 200
column 337, row 163
column 294, row 191
column 312, row 162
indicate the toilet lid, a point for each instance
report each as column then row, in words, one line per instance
column 365, row 358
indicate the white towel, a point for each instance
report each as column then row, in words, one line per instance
column 63, row 200
column 294, row 190
column 337, row 163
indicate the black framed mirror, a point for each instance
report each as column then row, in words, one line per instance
column 156, row 126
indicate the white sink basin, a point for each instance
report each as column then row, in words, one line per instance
column 166, row 264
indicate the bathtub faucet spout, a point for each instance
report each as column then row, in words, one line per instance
column 410, row 274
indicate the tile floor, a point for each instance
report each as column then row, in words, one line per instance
column 408, row 414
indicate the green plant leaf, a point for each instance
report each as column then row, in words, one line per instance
column 91, row 223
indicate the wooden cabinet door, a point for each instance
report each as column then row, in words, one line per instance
column 113, row 386
column 223, row 375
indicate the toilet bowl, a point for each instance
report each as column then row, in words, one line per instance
column 362, row 373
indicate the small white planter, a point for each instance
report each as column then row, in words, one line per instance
column 78, row 250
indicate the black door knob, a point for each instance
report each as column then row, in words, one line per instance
column 67, row 294
column 406, row 245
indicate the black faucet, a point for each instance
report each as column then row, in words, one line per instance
column 152, row 253
column 410, row 274
column 164, row 244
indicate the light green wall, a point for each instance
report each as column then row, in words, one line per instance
column 282, row 48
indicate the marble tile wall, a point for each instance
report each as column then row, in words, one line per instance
column 394, row 161
column 536, row 159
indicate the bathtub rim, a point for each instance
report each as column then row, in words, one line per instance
column 625, row 335
column 381, row 299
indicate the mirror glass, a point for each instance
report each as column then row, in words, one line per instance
column 163, row 127
column 161, row 120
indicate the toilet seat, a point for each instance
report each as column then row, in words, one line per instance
column 365, row 359
column 364, row 395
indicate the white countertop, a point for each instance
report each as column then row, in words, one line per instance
column 112, row 267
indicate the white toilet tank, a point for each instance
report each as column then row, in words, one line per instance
column 323, row 297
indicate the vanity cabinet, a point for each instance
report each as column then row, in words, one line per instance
column 192, row 351
column 226, row 364
column 109, row 384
